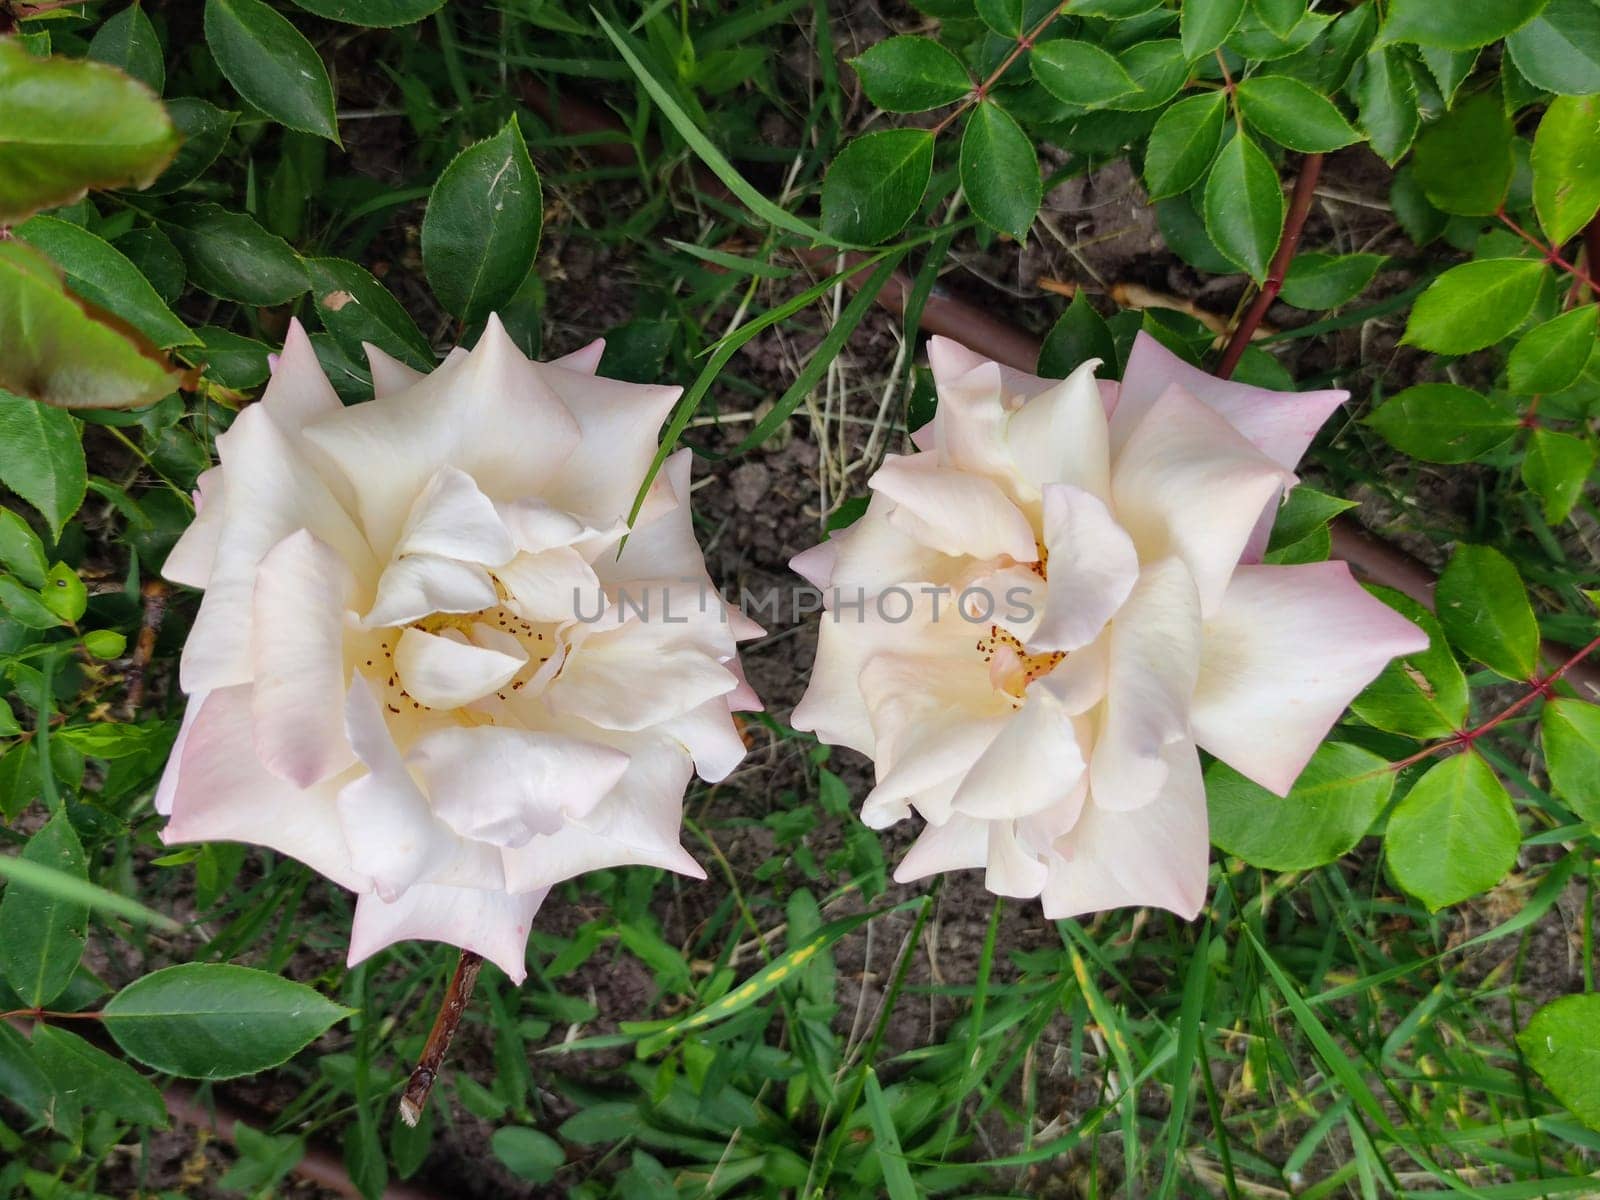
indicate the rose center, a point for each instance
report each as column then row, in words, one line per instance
column 1011, row 667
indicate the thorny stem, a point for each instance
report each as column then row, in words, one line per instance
column 1024, row 44
column 1539, row 686
column 1305, row 187
column 1552, row 254
column 428, row 1066
column 41, row 1014
column 155, row 609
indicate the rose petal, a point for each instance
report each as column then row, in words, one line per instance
column 1279, row 424
column 224, row 794
column 1158, row 855
column 442, row 672
column 504, row 786
column 1187, row 483
column 952, row 511
column 453, row 519
column 490, row 923
column 1092, row 568
column 420, row 585
column 1154, row 657
column 1060, row 435
column 1034, row 763
column 1285, row 652
column 302, row 596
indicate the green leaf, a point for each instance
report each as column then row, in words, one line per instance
column 1551, row 357
column 205, row 129
column 1562, row 1043
column 1454, row 835
column 101, row 274
column 1304, row 512
column 1203, row 25
column 1012, row 18
column 41, row 458
column 1329, row 809
column 1318, row 281
column 25, row 607
column 1449, row 69
column 1566, row 166
column 527, row 1153
column 1456, row 26
column 234, row 361
column 1244, row 206
column 1421, row 695
column 1386, row 99
column 373, row 14
column 128, row 42
column 105, row 643
column 1570, row 732
column 1160, row 70
column 57, row 350
column 876, row 184
column 1556, row 467
column 1464, row 161
column 1000, row 171
column 1485, row 611
column 91, row 1079
column 215, row 1020
column 1559, row 50
column 480, row 233
column 1079, row 72
column 1293, row 115
column 64, row 594
column 1080, row 334
column 1183, row 143
column 271, row 65
column 356, row 308
column 67, row 125
column 41, row 933
column 1474, row 305
column 21, row 1080
column 911, row 74
column 231, row 257
column 1443, row 423
column 21, row 552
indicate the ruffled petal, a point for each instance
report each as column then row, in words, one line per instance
column 1187, row 483
column 636, row 676
column 450, row 672
column 1061, row 435
column 167, row 788
column 420, row 585
column 453, row 519
column 1285, row 652
column 960, row 844
column 585, row 359
column 504, row 786
column 1092, row 568
column 1154, row 658
column 189, row 561
column 1279, row 424
column 1158, row 855
column 302, row 598
column 487, row 922
column 552, row 585
column 389, row 374
column 489, row 414
column 269, row 490
column 298, row 392
column 224, row 794
column 1034, row 763
column 1011, row 870
column 815, row 565
column 392, row 833
column 637, row 822
column 952, row 511
column 620, row 424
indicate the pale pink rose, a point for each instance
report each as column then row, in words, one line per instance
column 1117, row 533
column 420, row 666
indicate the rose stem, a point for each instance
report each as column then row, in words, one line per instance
column 1299, row 209
column 455, row 1001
